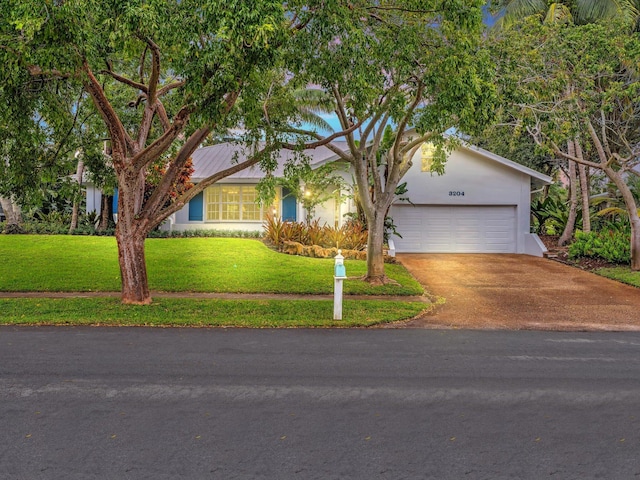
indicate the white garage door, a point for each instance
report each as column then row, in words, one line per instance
column 459, row 229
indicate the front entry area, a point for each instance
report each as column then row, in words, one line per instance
column 455, row 229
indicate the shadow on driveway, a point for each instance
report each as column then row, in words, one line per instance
column 487, row 291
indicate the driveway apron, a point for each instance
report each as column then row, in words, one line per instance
column 520, row 292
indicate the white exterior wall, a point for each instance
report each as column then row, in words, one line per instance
column 94, row 198
column 471, row 180
column 483, row 182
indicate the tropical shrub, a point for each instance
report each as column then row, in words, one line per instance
column 354, row 237
column 551, row 215
column 315, row 232
column 351, row 236
column 274, row 230
column 610, row 245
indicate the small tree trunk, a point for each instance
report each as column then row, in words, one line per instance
column 632, row 210
column 635, row 242
column 584, row 190
column 569, row 228
column 375, row 258
column 106, row 212
column 76, row 198
column 13, row 213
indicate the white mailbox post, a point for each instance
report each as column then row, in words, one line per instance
column 339, row 275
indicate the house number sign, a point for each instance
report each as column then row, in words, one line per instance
column 456, row 193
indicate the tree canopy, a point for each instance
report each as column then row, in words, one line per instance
column 575, row 94
column 417, row 67
column 163, row 76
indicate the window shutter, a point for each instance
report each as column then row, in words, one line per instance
column 196, row 208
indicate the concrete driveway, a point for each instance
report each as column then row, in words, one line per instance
column 520, row 292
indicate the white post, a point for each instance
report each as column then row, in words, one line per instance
column 338, row 276
column 337, row 298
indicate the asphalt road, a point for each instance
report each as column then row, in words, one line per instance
column 133, row 403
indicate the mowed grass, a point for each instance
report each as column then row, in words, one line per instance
column 203, row 313
column 80, row 264
column 621, row 274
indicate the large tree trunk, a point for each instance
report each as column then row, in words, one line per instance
column 131, row 232
column 133, row 267
column 569, row 228
column 13, row 214
column 584, row 190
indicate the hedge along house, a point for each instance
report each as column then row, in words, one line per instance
column 481, row 204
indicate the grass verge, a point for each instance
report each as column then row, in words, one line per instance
column 203, row 312
column 62, row 263
column 621, row 274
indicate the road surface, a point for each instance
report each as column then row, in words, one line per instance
column 136, row 403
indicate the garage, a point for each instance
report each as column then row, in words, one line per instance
column 481, row 204
column 456, row 229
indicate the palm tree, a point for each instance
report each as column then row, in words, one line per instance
column 575, row 11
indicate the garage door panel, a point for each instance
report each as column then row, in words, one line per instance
column 455, row 229
column 412, row 230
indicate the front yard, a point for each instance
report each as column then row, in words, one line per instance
column 61, row 263
column 212, row 265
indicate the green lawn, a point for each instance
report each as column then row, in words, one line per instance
column 196, row 312
column 621, row 274
column 75, row 263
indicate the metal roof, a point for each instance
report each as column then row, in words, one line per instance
column 208, row 161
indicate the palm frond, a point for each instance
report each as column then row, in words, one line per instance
column 312, row 118
column 595, row 10
column 310, row 103
column 558, row 13
column 515, row 10
column 579, row 11
column 614, row 212
column 314, row 99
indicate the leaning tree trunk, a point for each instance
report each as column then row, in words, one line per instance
column 569, row 228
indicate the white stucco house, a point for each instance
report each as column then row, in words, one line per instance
column 231, row 203
column 480, row 205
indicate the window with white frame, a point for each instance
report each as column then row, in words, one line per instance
column 427, row 151
column 234, row 203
